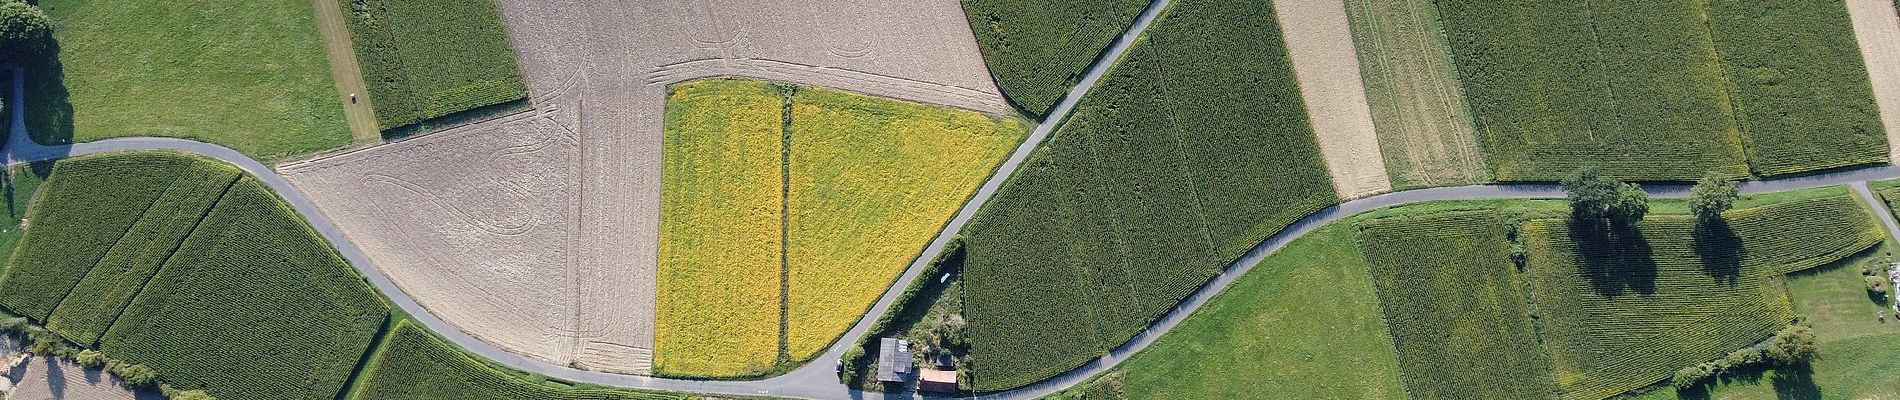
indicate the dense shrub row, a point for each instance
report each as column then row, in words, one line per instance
column 1191, row 151
column 1442, row 278
column 92, row 304
column 1801, row 90
column 424, row 59
column 1625, row 311
column 99, row 199
column 414, row 364
column 1038, row 49
column 254, row 305
column 1633, row 87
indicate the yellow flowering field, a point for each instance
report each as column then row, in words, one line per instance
column 720, row 230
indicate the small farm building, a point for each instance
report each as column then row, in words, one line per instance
column 893, row 359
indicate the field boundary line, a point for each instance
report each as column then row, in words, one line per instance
column 168, row 259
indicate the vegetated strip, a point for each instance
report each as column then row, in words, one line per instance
column 1455, row 305
column 1038, row 49
column 414, row 364
column 98, row 299
column 720, row 231
column 1425, row 128
column 99, row 198
column 1801, row 88
column 254, row 305
column 870, row 182
column 1635, row 88
column 416, row 72
column 1624, row 311
column 1192, row 150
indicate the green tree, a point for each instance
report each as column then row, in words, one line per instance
column 138, row 376
column 192, row 395
column 91, row 358
column 1711, row 196
column 23, row 27
column 1793, row 345
column 1594, row 197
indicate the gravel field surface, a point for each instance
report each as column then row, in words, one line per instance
column 1319, row 40
column 538, row 232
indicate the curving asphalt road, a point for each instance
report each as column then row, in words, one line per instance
column 816, row 380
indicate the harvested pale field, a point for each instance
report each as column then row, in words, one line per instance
column 538, row 232
column 1877, row 28
column 1319, row 40
column 44, row 378
column 1424, row 127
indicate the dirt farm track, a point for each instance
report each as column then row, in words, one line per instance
column 531, row 239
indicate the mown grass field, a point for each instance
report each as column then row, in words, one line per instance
column 414, row 364
column 1801, row 91
column 425, row 59
column 721, row 230
column 90, row 307
column 1425, row 129
column 254, row 305
column 871, row 182
column 1635, row 88
column 1456, row 307
column 1192, row 150
column 866, row 183
column 98, row 199
column 250, row 75
column 1304, row 323
column 1623, row 314
column 1038, row 49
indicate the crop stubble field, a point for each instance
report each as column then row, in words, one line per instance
column 425, row 59
column 1142, row 195
column 1456, row 307
column 1620, row 315
column 485, row 224
column 250, row 75
column 1319, row 40
column 1424, row 126
column 864, row 184
column 1038, row 49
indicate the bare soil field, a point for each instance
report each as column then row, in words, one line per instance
column 1425, row 129
column 538, row 232
column 1877, row 28
column 1319, row 40
column 43, row 378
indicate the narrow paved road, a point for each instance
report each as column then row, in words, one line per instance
column 816, row 379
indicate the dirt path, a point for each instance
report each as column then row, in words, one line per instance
column 344, row 71
column 1320, row 41
column 1877, row 28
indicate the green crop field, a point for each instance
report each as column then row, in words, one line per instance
column 254, row 305
column 97, row 299
column 1633, row 87
column 20, row 185
column 425, row 59
column 1191, row 151
column 1303, row 324
column 414, row 364
column 1038, row 49
column 98, row 199
column 1456, row 307
column 250, row 75
column 1625, row 313
column 1801, row 90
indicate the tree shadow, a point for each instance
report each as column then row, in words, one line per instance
column 1616, row 258
column 1720, row 249
column 48, row 105
column 1795, row 382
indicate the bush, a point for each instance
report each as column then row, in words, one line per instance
column 1876, row 285
column 1793, row 345
column 91, row 358
column 192, row 395
column 137, row 376
column 1690, row 376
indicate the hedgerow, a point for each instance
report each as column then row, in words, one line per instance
column 1444, row 278
column 1038, row 49
column 1802, row 92
column 253, row 305
column 1633, row 87
column 1624, row 312
column 99, row 198
column 1191, row 151
column 424, row 59
column 414, row 364
column 92, row 304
